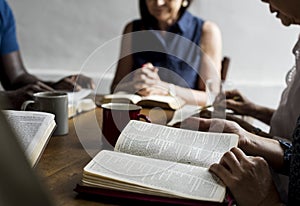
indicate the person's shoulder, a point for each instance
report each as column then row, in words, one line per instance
column 128, row 27
column 134, row 25
column 207, row 27
column 210, row 27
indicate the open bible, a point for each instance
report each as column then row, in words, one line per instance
column 33, row 130
column 164, row 102
column 161, row 161
column 78, row 102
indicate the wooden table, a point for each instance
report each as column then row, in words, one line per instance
column 62, row 162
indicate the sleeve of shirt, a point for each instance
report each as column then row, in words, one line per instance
column 8, row 31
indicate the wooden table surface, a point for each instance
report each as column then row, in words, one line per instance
column 64, row 158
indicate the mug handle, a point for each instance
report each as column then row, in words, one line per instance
column 144, row 117
column 26, row 103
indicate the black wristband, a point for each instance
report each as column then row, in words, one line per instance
column 255, row 130
column 287, row 154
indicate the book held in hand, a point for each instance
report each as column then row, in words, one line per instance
column 161, row 161
column 164, row 102
column 33, row 130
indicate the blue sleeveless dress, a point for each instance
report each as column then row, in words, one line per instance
column 176, row 53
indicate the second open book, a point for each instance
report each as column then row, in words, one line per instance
column 164, row 102
column 33, row 130
column 162, row 161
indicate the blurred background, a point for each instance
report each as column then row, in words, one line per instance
column 58, row 37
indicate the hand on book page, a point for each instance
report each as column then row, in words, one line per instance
column 162, row 161
column 33, row 130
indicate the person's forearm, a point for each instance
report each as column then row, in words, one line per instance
column 14, row 72
column 23, row 80
column 190, row 96
column 269, row 149
column 124, row 86
column 263, row 114
column 247, row 126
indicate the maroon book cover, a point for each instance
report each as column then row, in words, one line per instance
column 129, row 197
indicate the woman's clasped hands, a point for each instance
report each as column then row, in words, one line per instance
column 147, row 81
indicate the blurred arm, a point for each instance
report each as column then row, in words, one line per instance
column 13, row 72
column 125, row 64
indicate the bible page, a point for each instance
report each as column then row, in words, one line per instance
column 183, row 113
column 174, row 144
column 120, row 96
column 33, row 130
column 115, row 170
column 172, row 102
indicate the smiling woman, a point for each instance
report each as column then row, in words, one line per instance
column 164, row 10
column 168, row 52
column 56, row 41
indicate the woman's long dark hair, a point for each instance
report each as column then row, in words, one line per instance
column 148, row 19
